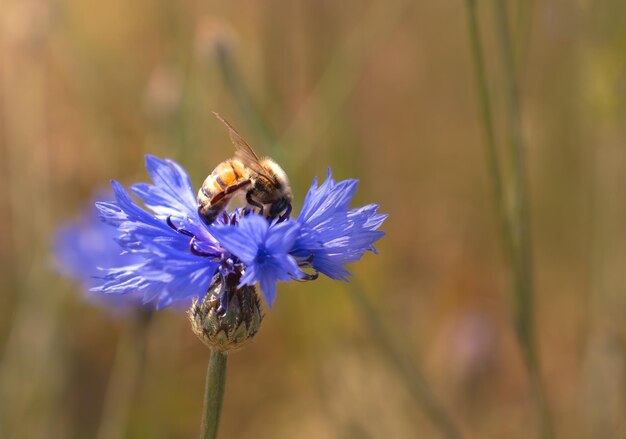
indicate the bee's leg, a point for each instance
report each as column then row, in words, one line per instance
column 209, row 212
column 254, row 203
column 285, row 215
column 229, row 190
column 195, row 251
column 208, row 215
column 178, row 229
column 308, row 277
column 306, row 262
column 235, row 187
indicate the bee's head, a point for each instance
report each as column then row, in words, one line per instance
column 283, row 204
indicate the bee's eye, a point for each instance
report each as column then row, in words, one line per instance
column 259, row 185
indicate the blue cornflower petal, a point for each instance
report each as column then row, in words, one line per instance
column 264, row 248
column 171, row 196
column 171, row 193
column 325, row 263
column 323, row 201
column 137, row 228
column 171, row 271
column 331, row 234
column 242, row 240
column 268, row 286
column 82, row 246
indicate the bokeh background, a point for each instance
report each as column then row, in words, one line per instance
column 382, row 91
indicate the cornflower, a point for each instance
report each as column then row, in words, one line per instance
column 180, row 256
column 217, row 266
column 82, row 246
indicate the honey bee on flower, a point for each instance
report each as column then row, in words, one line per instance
column 265, row 183
column 187, row 247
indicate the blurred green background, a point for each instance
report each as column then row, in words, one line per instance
column 382, row 91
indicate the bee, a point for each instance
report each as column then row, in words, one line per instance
column 265, row 183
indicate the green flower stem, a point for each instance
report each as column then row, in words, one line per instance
column 413, row 378
column 125, row 379
column 214, row 394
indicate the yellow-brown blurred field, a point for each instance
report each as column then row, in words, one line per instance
column 382, row 91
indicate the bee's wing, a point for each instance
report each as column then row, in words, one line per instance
column 243, row 150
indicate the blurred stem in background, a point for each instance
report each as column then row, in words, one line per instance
column 416, row 383
column 330, row 91
column 514, row 222
column 240, row 94
column 214, row 394
column 602, row 393
column 32, row 363
column 491, row 151
column 126, row 377
column 520, row 224
column 525, row 10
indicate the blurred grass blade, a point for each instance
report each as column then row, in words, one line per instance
column 331, row 90
column 245, row 104
column 125, row 378
column 520, row 224
column 32, row 365
column 416, row 383
column 514, row 226
column 525, row 11
column 491, row 152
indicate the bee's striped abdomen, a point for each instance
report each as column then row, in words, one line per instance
column 219, row 187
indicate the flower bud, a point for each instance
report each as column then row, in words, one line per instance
column 227, row 317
